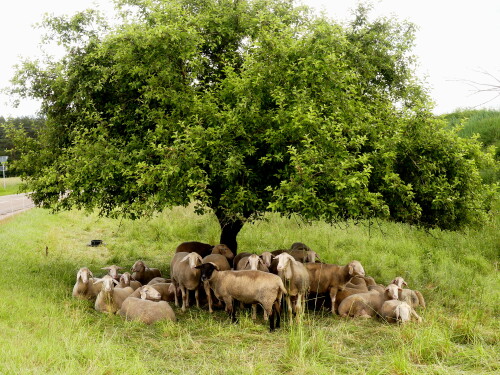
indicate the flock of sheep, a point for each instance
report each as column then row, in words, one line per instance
column 220, row 279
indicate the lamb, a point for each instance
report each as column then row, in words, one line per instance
column 144, row 274
column 367, row 305
column 126, row 280
column 330, row 278
column 113, row 271
column 146, row 309
column 395, row 311
column 185, row 276
column 413, row 297
column 222, row 264
column 110, row 299
column 84, row 287
column 166, row 291
column 296, row 279
column 246, row 286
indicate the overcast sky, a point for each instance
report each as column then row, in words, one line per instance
column 456, row 41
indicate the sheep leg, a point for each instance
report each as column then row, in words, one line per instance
column 185, row 298
column 414, row 313
column 175, row 295
column 271, row 319
column 254, row 311
column 209, row 296
column 333, row 296
column 197, row 297
column 289, row 305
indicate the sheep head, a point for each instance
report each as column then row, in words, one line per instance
column 311, row 256
column 84, row 274
column 207, row 270
column 194, row 259
column 253, row 262
column 113, row 270
column 125, row 278
column 355, row 269
column 392, row 291
column 399, row 281
column 108, row 283
column 150, row 293
column 138, row 266
column 284, row 260
column 223, row 250
column 267, row 258
column 403, row 312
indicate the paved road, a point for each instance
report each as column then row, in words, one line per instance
column 12, row 204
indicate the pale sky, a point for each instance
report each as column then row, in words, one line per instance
column 456, row 41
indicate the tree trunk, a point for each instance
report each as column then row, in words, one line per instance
column 229, row 230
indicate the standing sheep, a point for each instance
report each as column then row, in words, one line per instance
column 222, row 264
column 295, row 277
column 330, row 278
column 110, row 299
column 144, row 274
column 185, row 276
column 246, row 286
column 84, row 287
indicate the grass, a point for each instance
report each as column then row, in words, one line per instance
column 11, row 185
column 46, row 331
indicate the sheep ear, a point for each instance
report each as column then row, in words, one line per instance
column 91, row 274
column 120, row 268
column 400, row 289
column 185, row 259
column 351, row 270
column 246, row 263
column 215, row 265
column 317, row 257
column 98, row 282
column 78, row 274
column 116, row 282
column 404, row 283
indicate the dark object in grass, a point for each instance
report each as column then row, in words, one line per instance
column 95, row 243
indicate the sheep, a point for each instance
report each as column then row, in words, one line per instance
column 330, row 278
column 223, row 265
column 144, row 274
column 238, row 257
column 166, row 290
column 304, row 256
column 223, row 250
column 110, row 299
column 185, row 276
column 368, row 304
column 158, row 280
column 146, row 309
column 113, row 271
column 395, row 311
column 300, row 246
column 84, row 287
column 247, row 286
column 267, row 258
column 201, row 248
column 296, row 279
column 126, row 280
column 413, row 297
column 253, row 262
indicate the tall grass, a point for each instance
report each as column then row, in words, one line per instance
column 10, row 185
column 46, row 331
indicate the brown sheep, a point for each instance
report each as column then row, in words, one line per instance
column 330, row 278
column 223, row 265
column 144, row 274
column 367, row 305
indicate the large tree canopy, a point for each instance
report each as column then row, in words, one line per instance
column 242, row 106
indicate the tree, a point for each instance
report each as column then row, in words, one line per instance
column 241, row 107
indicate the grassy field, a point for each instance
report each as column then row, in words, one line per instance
column 11, row 185
column 46, row 331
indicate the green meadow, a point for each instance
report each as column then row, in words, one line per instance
column 10, row 185
column 46, row 331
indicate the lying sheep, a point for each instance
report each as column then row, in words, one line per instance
column 147, row 309
column 84, row 287
column 126, row 280
column 166, row 290
column 413, row 297
column 330, row 278
column 246, row 286
column 395, row 311
column 368, row 304
column 223, row 265
column 296, row 280
column 113, row 271
column 158, row 280
column 144, row 274
column 185, row 276
column 110, row 299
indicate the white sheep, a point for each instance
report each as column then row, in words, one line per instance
column 185, row 276
column 395, row 311
column 84, row 287
column 144, row 274
column 368, row 304
column 113, row 271
column 110, row 299
column 296, row 280
column 246, row 286
column 166, row 291
column 126, row 280
column 412, row 297
column 146, row 309
column 223, row 265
